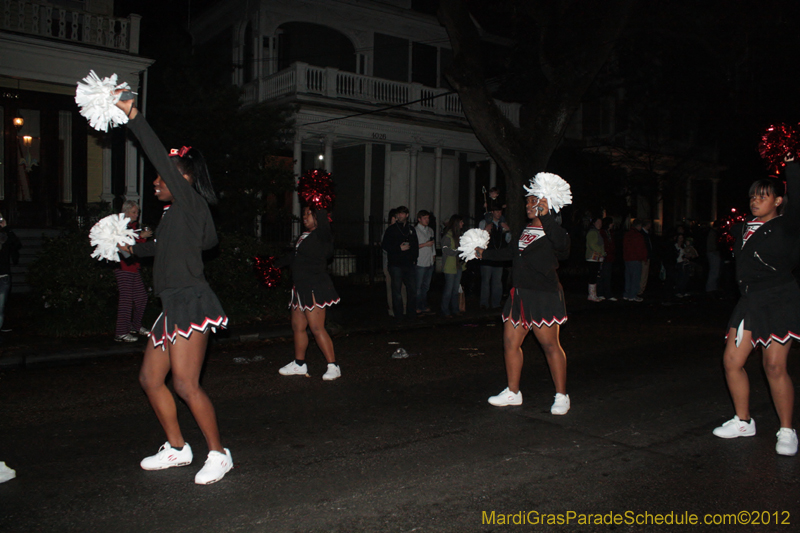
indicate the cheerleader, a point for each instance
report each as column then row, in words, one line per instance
column 536, row 302
column 190, row 308
column 312, row 293
column 767, row 314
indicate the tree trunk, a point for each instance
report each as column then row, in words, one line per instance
column 524, row 151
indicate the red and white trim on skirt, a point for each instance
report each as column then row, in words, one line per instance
column 527, row 324
column 220, row 322
column 299, row 304
column 766, row 342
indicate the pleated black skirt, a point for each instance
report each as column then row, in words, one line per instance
column 186, row 310
column 770, row 314
column 535, row 308
column 305, row 297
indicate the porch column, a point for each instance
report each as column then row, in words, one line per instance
column 412, row 180
column 329, row 154
column 492, row 173
column 437, row 191
column 131, row 176
column 367, row 189
column 472, row 185
column 387, row 182
column 298, row 169
column 106, row 195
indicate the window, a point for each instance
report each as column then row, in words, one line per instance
column 391, row 58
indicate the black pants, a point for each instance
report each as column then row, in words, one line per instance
column 404, row 275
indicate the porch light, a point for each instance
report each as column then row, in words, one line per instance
column 320, row 157
column 18, row 122
column 26, row 140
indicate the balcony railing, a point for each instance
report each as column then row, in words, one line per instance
column 301, row 78
column 47, row 20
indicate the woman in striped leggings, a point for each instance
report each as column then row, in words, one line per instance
column 132, row 294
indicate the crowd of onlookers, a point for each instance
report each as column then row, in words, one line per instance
column 625, row 259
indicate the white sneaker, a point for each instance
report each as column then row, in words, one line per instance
column 734, row 428
column 787, row 442
column 560, row 405
column 7, row 473
column 293, row 369
column 126, row 338
column 506, row 398
column 167, row 457
column 144, row 332
column 217, row 465
column 593, row 298
column 333, row 372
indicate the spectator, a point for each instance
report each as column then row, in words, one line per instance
column 392, row 218
column 402, row 249
column 492, row 271
column 493, row 202
column 130, row 287
column 634, row 252
column 606, row 271
column 425, row 261
column 595, row 254
column 452, row 266
column 647, row 227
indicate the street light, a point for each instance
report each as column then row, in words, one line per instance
column 18, row 122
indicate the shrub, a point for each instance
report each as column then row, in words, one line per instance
column 78, row 294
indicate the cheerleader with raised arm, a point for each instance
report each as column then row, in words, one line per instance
column 536, row 302
column 768, row 312
column 312, row 293
column 191, row 310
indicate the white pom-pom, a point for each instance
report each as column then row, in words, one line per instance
column 550, row 186
column 98, row 101
column 474, row 238
column 108, row 233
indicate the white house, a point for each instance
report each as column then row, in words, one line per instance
column 372, row 104
column 54, row 163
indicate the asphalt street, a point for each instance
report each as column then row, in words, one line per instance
column 411, row 444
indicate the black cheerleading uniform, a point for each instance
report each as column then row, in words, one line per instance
column 769, row 306
column 537, row 298
column 309, row 264
column 185, row 230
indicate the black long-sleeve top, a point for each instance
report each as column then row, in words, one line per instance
column 393, row 237
column 186, row 228
column 771, row 253
column 309, row 261
column 535, row 267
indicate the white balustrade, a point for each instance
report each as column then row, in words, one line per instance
column 301, row 78
column 44, row 19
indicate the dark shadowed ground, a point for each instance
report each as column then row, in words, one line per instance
column 412, row 445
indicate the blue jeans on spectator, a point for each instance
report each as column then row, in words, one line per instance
column 404, row 275
column 450, row 293
column 424, row 275
column 633, row 279
column 5, row 288
column 491, row 282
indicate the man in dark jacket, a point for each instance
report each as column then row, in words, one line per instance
column 402, row 250
column 9, row 253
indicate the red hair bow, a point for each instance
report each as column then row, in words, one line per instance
column 180, row 153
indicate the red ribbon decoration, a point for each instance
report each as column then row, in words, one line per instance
column 180, row 153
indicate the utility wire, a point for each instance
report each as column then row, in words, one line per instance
column 379, row 110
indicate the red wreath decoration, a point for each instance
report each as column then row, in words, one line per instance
column 777, row 142
column 266, row 271
column 316, row 190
